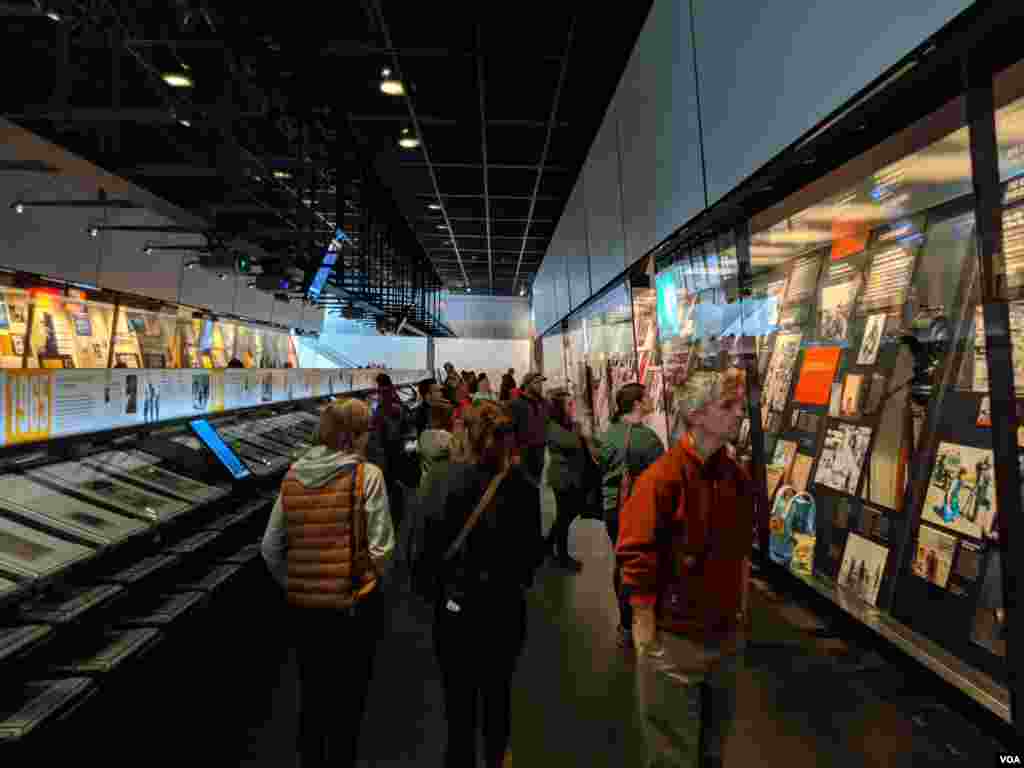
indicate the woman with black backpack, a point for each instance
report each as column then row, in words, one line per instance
column 485, row 545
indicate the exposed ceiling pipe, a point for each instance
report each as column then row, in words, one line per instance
column 547, row 142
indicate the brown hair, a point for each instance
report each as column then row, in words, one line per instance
column 441, row 416
column 626, row 399
column 341, row 424
column 487, row 434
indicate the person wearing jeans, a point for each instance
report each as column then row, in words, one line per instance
column 628, row 445
column 684, row 549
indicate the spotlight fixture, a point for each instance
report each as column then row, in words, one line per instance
column 282, row 175
column 389, row 85
column 185, row 123
column 408, row 140
column 149, row 250
column 177, row 80
column 19, row 207
column 434, row 207
column 94, row 232
column 522, row 291
column 53, row 16
column 223, row 276
column 469, row 289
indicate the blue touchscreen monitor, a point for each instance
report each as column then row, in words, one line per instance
column 212, row 440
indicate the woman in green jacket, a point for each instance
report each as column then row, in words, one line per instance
column 633, row 405
column 565, row 476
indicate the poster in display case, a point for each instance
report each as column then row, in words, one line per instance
column 842, row 456
column 961, row 490
column 863, row 568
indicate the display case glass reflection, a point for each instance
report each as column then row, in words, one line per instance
column 876, row 260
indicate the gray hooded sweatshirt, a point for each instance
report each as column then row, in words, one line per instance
column 315, row 470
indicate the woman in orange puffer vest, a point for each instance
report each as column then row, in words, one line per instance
column 328, row 543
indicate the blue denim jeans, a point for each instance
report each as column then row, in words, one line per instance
column 686, row 693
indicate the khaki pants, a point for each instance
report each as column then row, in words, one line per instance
column 686, row 693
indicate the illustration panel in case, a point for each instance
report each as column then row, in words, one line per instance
column 933, row 558
column 863, row 568
column 780, row 370
column 29, row 552
column 89, row 482
column 67, row 513
column 141, row 467
column 842, row 458
column 836, row 308
column 961, row 496
column 872, row 340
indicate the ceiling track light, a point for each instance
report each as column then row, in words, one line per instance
column 178, row 79
column 389, row 85
column 53, row 16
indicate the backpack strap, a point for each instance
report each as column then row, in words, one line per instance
column 474, row 518
column 626, row 480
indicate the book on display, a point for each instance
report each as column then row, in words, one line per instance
column 142, row 468
column 25, row 551
column 93, row 484
column 67, row 514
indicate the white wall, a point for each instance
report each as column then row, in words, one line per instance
column 488, row 317
column 768, row 74
column 491, row 355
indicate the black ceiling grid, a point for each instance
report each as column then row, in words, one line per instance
column 262, row 145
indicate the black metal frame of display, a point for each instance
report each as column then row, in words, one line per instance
column 988, row 191
column 960, row 60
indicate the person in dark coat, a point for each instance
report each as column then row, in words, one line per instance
column 480, row 609
column 529, row 415
column 565, row 476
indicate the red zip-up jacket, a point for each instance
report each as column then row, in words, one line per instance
column 684, row 537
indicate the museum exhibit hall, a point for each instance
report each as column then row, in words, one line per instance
column 707, row 320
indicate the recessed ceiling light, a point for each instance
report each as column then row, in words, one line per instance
column 390, row 86
column 408, row 140
column 177, row 79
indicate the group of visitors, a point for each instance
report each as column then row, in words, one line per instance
column 471, row 541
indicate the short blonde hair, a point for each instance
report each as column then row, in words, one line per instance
column 342, row 423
